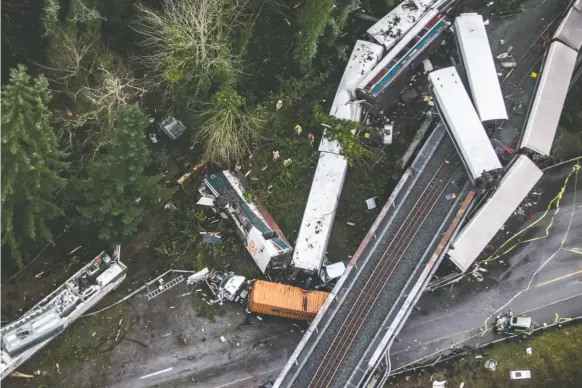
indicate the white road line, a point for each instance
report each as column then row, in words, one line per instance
column 156, row 373
column 246, row 378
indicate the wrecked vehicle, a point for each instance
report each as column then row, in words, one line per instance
column 508, row 323
column 224, row 193
column 171, row 127
column 264, row 297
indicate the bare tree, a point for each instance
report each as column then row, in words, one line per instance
column 96, row 81
column 188, row 42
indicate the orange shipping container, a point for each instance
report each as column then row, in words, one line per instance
column 285, row 301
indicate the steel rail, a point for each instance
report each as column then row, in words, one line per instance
column 383, row 271
column 529, row 59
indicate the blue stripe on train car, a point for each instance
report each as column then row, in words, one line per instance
column 406, row 59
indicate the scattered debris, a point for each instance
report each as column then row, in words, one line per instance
column 387, row 133
column 506, row 60
column 490, row 364
column 534, row 74
column 311, row 138
column 478, row 356
column 298, row 129
column 462, row 384
column 75, row 250
column 222, row 338
column 350, row 223
column 153, row 138
column 409, row 95
column 427, row 64
column 276, row 155
column 170, row 206
column 371, row 203
column 501, row 42
column 278, row 106
column 519, row 108
column 39, row 275
column 451, row 196
column 22, row 375
column 528, row 350
column 172, row 127
column 438, row 384
column 183, row 178
column 211, row 238
column 287, row 162
column 520, row 374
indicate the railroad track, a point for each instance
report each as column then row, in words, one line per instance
column 529, row 59
column 383, row 271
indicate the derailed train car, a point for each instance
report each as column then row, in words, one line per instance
column 264, row 240
column 263, row 297
column 465, row 128
column 553, row 85
column 285, row 301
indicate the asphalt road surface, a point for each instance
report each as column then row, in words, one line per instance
column 542, row 278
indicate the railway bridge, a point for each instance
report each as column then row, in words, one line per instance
column 345, row 343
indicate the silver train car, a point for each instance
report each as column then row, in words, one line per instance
column 559, row 65
column 520, row 178
column 465, row 128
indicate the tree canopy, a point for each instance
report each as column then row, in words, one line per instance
column 31, row 161
column 117, row 192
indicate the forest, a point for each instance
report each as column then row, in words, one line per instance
column 85, row 81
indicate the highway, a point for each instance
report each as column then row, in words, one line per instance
column 541, row 277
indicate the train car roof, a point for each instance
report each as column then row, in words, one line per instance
column 462, row 122
column 406, row 38
column 521, row 177
column 570, row 29
column 546, row 109
column 477, row 59
column 320, row 212
column 363, row 58
column 392, row 27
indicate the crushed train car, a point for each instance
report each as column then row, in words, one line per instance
column 285, row 301
column 225, row 194
column 24, row 337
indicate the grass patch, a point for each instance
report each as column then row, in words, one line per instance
column 554, row 362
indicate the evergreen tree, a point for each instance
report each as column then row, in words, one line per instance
column 117, row 193
column 31, row 160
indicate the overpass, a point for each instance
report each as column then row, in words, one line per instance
column 369, row 304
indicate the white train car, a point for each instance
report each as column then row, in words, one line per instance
column 569, row 31
column 392, row 27
column 478, row 62
column 27, row 335
column 319, row 215
column 546, row 109
column 363, row 59
column 322, row 203
column 402, row 56
column 465, row 128
column 521, row 177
